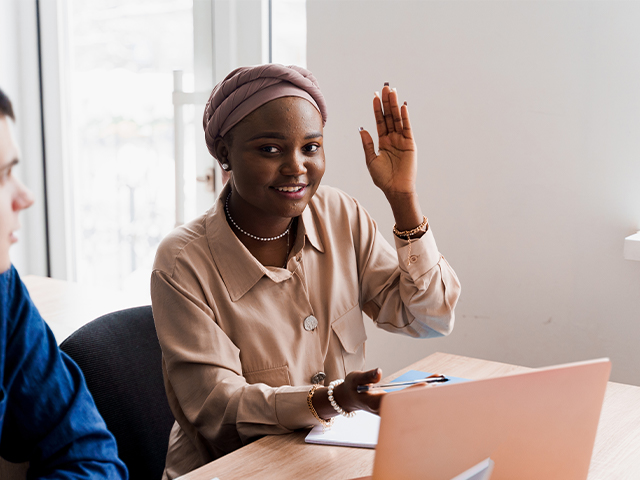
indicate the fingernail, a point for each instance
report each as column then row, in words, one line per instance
column 386, row 84
column 405, row 103
column 377, row 94
column 395, row 89
column 360, row 129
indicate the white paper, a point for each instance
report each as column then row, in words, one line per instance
column 361, row 430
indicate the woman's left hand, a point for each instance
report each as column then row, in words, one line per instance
column 393, row 169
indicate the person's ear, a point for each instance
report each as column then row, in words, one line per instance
column 222, row 153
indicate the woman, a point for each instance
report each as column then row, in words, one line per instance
column 258, row 303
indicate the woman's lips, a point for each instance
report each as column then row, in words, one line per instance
column 292, row 191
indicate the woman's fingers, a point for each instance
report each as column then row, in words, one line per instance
column 390, row 115
column 368, row 377
column 395, row 111
column 374, row 402
column 406, row 124
column 381, row 125
column 371, row 400
column 368, row 146
column 386, row 104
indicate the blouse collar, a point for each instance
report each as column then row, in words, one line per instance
column 239, row 269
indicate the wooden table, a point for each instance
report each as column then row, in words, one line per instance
column 616, row 453
column 67, row 306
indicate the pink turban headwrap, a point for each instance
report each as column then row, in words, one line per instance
column 247, row 88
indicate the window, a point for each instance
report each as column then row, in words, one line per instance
column 121, row 57
column 115, row 169
column 289, row 32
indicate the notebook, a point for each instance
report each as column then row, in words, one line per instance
column 535, row 425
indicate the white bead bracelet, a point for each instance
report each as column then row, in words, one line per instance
column 334, row 404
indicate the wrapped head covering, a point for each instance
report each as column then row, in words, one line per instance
column 248, row 88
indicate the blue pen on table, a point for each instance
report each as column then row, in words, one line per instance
column 429, row 379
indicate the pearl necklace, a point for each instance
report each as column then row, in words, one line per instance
column 262, row 239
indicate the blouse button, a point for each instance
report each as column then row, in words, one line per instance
column 318, row 378
column 413, row 258
column 310, row 323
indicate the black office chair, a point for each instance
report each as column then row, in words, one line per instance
column 121, row 359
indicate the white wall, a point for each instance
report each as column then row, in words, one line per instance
column 527, row 117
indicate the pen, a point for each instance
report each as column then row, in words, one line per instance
column 430, row 379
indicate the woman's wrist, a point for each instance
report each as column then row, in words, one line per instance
column 406, row 210
column 322, row 404
column 336, row 406
column 318, row 404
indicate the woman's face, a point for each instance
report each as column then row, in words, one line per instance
column 277, row 161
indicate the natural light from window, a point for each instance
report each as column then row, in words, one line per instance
column 122, row 57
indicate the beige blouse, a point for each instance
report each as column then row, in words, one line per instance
column 242, row 342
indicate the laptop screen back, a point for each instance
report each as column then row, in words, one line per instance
column 535, row 425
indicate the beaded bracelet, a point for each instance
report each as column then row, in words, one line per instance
column 423, row 227
column 413, row 231
column 334, row 404
column 325, row 423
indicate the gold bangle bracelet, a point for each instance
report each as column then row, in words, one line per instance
column 423, row 227
column 325, row 423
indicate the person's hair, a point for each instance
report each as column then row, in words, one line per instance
column 6, row 109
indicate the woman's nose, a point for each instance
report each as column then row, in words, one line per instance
column 23, row 197
column 294, row 165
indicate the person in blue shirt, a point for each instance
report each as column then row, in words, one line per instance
column 47, row 415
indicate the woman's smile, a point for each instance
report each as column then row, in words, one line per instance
column 294, row 192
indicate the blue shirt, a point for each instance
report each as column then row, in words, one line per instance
column 47, row 415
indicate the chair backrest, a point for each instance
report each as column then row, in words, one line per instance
column 121, row 359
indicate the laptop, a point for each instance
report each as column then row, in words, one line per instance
column 535, row 425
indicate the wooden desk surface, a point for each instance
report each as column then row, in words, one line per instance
column 616, row 453
column 67, row 306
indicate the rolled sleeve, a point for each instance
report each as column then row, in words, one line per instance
column 416, row 260
column 291, row 407
column 414, row 290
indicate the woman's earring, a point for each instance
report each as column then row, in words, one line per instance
column 225, row 167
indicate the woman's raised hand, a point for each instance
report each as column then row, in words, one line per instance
column 393, row 168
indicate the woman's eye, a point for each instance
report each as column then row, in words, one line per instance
column 270, row 149
column 311, row 148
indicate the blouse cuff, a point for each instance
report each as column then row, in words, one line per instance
column 423, row 257
column 291, row 407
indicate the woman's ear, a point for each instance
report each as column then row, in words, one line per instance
column 222, row 153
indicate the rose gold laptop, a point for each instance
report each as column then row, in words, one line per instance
column 536, row 425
